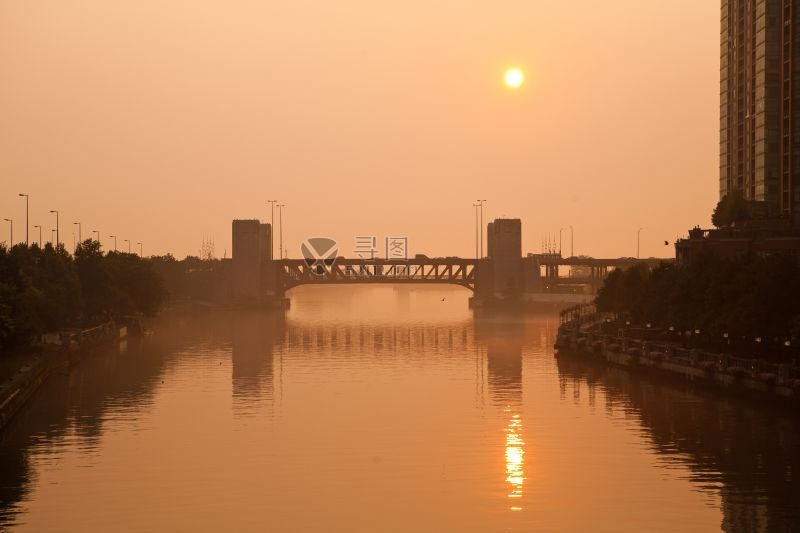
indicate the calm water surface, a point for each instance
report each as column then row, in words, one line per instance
column 385, row 409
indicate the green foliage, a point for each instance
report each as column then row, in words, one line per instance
column 731, row 210
column 748, row 296
column 45, row 289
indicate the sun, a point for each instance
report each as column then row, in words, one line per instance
column 514, row 78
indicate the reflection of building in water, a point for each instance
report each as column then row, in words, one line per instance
column 751, row 453
column 254, row 335
column 503, row 340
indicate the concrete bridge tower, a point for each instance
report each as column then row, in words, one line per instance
column 251, row 250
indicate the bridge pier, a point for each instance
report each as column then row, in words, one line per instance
column 254, row 281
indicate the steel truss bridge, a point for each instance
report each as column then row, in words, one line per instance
column 451, row 270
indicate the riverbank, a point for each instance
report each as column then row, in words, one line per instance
column 579, row 336
column 24, row 371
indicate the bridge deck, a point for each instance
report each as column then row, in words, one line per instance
column 455, row 270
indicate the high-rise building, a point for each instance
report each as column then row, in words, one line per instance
column 760, row 104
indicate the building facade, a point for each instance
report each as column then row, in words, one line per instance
column 251, row 248
column 760, row 104
column 504, row 240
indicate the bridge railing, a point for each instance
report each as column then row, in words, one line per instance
column 579, row 315
column 770, row 372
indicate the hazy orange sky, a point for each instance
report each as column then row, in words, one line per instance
column 160, row 121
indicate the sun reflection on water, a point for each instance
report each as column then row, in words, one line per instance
column 515, row 459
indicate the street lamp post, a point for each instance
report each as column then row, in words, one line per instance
column 129, row 244
column 27, row 242
column 40, row 234
column 280, row 225
column 480, row 203
column 271, row 228
column 477, row 231
column 559, row 241
column 52, row 231
column 115, row 241
column 571, row 241
column 638, row 233
column 140, row 249
column 97, row 234
column 80, row 235
column 12, row 231
column 58, row 237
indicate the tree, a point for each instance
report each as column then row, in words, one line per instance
column 732, row 209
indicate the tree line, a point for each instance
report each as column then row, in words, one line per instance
column 751, row 296
column 46, row 289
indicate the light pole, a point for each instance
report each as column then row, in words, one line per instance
column 129, row 244
column 79, row 231
column 280, row 225
column 12, row 232
column 58, row 237
column 40, row 234
column 115, row 241
column 638, row 233
column 477, row 230
column 571, row 241
column 559, row 241
column 480, row 203
column 271, row 228
column 26, row 218
column 51, row 236
column 140, row 249
column 97, row 234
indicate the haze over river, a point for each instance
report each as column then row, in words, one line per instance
column 385, row 409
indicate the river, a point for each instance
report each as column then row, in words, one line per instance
column 385, row 408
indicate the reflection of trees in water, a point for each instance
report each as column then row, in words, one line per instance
column 76, row 402
column 752, row 454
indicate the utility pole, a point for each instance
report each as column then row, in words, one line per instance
column 26, row 218
column 58, row 237
column 271, row 228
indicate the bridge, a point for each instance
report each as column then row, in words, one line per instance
column 503, row 275
column 456, row 271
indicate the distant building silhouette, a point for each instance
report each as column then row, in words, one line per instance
column 504, row 241
column 251, row 241
column 760, row 104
